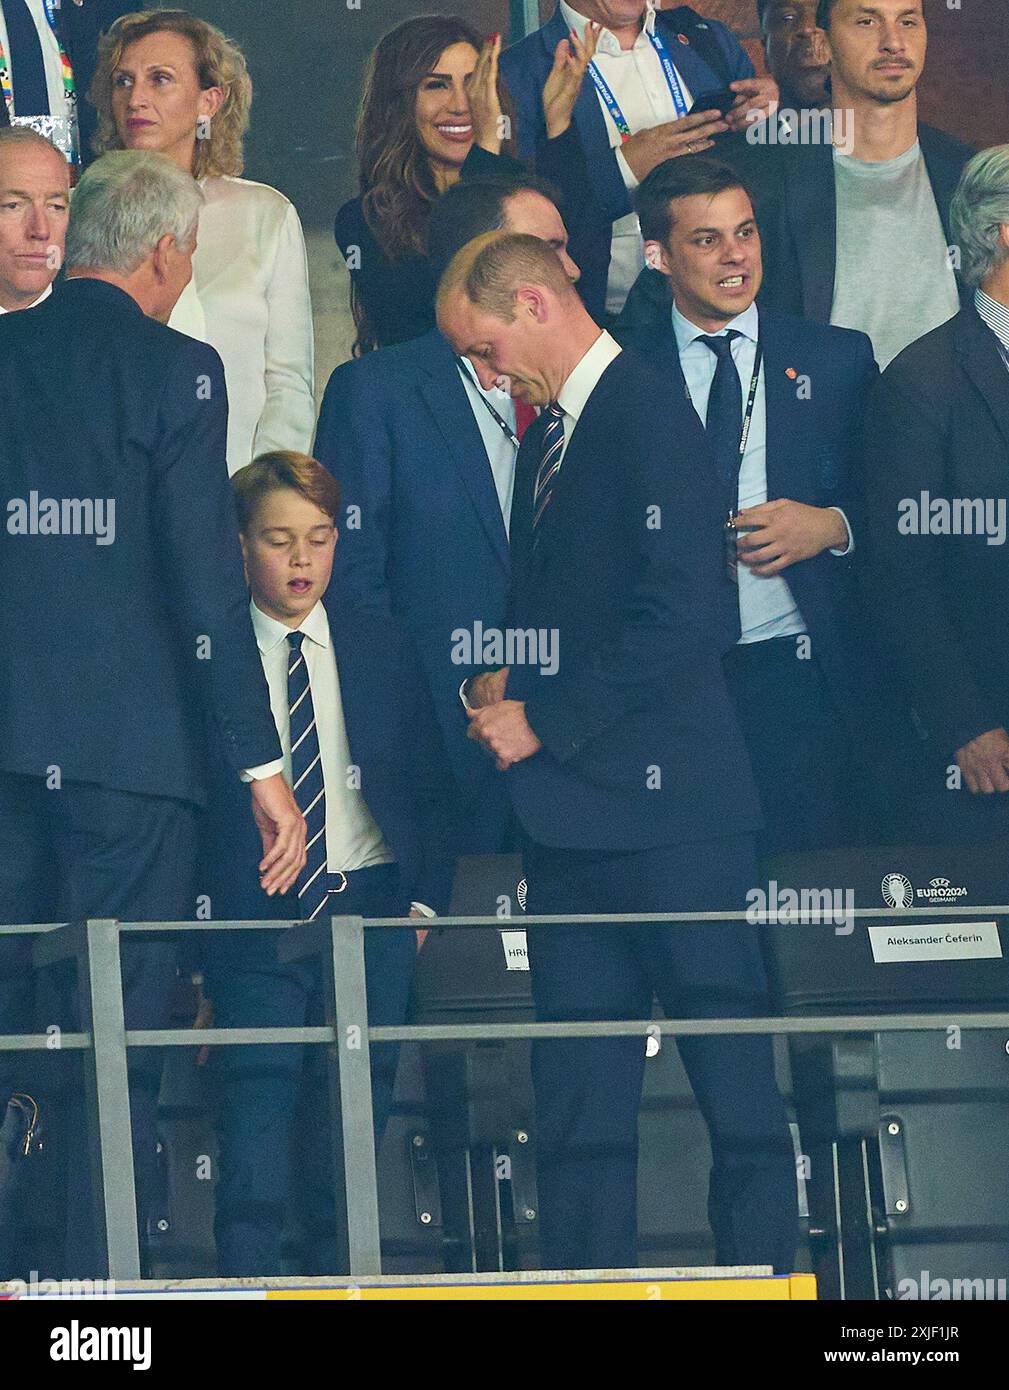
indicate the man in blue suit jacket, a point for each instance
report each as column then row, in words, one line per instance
column 801, row 667
column 618, row 743
column 620, row 146
column 426, row 463
column 362, row 750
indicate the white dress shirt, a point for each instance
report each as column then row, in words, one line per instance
column 249, row 299
column 44, row 295
column 353, row 840
column 635, row 77
column 766, row 606
column 501, row 451
column 59, row 103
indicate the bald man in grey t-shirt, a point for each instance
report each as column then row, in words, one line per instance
column 893, row 276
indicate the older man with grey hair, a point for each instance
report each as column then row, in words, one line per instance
column 34, row 208
column 937, row 475
column 124, row 611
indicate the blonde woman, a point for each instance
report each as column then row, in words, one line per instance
column 170, row 82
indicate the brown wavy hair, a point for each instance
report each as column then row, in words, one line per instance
column 397, row 182
column 219, row 63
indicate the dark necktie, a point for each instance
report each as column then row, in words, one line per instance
column 306, row 780
column 550, row 462
column 724, row 419
column 27, row 68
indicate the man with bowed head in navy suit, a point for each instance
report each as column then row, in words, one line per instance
column 110, row 635
column 625, row 765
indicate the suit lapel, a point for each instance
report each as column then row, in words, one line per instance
column 977, row 349
column 811, row 204
column 442, row 389
column 782, row 423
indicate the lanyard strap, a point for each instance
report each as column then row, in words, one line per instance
column 751, row 397
column 672, row 82
column 67, row 71
column 496, row 416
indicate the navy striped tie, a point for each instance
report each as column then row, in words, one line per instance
column 306, row 780
column 550, row 462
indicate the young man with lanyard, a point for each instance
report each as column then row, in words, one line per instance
column 47, row 60
column 781, row 401
column 647, row 72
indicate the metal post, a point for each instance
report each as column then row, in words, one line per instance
column 95, row 944
column 351, row 1075
column 340, row 949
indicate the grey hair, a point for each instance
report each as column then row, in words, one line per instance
column 25, row 135
column 124, row 204
column 980, row 208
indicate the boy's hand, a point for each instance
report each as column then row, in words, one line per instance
column 283, row 830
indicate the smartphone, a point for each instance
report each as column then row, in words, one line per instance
column 722, row 101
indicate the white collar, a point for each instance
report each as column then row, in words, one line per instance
column 747, row 323
column 607, row 44
column 44, row 295
column 585, row 377
column 270, row 633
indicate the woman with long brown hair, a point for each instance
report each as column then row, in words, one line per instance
column 170, row 82
column 431, row 113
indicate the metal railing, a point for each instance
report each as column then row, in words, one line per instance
column 339, row 945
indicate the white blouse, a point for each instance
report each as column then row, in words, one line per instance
column 249, row 299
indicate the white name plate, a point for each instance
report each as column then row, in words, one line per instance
column 936, row 941
column 516, row 952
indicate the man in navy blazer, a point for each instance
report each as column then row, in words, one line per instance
column 620, row 750
column 801, row 667
column 706, row 57
column 426, row 462
column 122, row 621
column 369, row 773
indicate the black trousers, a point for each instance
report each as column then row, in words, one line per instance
column 274, row 1116
column 811, row 788
column 66, row 853
column 588, row 1091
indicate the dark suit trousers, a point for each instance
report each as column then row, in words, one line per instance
column 87, row 851
column 803, row 764
column 588, row 1091
column 274, row 1121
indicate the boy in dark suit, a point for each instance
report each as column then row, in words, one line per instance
column 363, row 758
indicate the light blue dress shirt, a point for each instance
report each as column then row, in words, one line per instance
column 766, row 606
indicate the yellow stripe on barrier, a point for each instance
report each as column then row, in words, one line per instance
column 784, row 1288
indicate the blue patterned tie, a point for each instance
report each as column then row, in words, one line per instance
column 27, row 65
column 306, row 780
column 550, row 463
